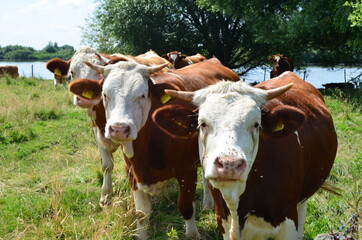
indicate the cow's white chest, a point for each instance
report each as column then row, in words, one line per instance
column 153, row 189
column 256, row 228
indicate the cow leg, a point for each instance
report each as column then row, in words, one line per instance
column 186, row 204
column 143, row 209
column 107, row 168
column 302, row 212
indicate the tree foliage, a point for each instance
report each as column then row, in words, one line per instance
column 134, row 27
column 238, row 32
column 16, row 52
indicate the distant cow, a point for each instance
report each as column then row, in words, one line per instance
column 12, row 71
column 263, row 152
column 150, row 58
column 181, row 60
column 280, row 64
column 130, row 93
column 338, row 85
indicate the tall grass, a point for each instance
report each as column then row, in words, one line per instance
column 50, row 174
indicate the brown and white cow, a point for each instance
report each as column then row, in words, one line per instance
column 264, row 153
column 150, row 58
column 181, row 60
column 12, row 71
column 130, row 93
column 75, row 68
column 280, row 64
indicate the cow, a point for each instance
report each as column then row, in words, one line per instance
column 280, row 64
column 130, row 93
column 341, row 85
column 12, row 71
column 181, row 60
column 264, row 151
column 75, row 68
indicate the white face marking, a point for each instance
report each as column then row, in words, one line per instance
column 126, row 101
column 174, row 56
column 297, row 134
column 229, row 128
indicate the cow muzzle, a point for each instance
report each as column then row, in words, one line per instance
column 120, row 132
column 229, row 168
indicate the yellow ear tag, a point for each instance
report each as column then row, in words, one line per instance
column 165, row 98
column 279, row 126
column 180, row 123
column 57, row 72
column 87, row 93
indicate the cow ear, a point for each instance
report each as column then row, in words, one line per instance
column 158, row 91
column 176, row 121
column 281, row 121
column 58, row 66
column 87, row 89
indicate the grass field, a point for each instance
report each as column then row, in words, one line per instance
column 50, row 173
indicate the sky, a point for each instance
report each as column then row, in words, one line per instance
column 35, row 23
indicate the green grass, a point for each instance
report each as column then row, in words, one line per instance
column 50, row 174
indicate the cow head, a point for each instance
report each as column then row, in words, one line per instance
column 280, row 64
column 230, row 120
column 65, row 71
column 126, row 99
column 75, row 68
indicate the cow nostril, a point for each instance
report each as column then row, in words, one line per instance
column 240, row 165
column 218, row 163
column 127, row 130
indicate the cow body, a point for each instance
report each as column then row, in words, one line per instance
column 280, row 64
column 264, row 154
column 150, row 58
column 341, row 85
column 12, row 71
column 65, row 71
column 130, row 96
column 181, row 60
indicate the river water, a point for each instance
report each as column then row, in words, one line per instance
column 312, row 74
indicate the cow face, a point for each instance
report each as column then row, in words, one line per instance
column 229, row 124
column 65, row 71
column 230, row 120
column 125, row 95
column 77, row 68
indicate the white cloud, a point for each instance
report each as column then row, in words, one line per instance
column 40, row 6
column 72, row 3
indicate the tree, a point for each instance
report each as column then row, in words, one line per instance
column 177, row 25
column 309, row 31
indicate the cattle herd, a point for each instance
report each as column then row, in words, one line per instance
column 264, row 150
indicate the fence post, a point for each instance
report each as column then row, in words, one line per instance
column 345, row 77
column 32, row 70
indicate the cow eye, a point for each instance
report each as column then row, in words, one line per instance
column 256, row 125
column 202, row 125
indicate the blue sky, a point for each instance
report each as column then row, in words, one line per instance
column 35, row 23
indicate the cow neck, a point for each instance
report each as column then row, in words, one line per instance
column 148, row 163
